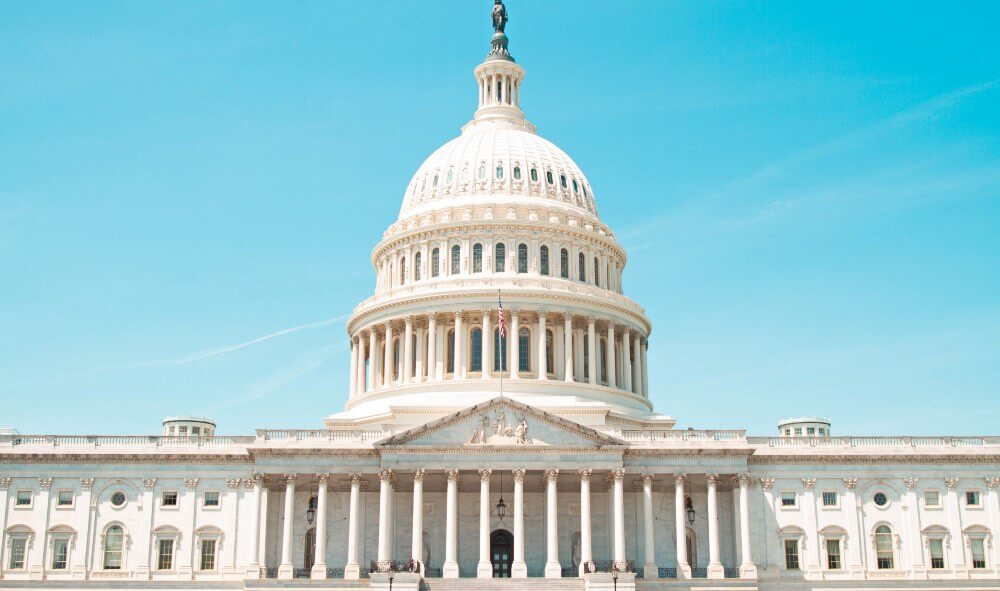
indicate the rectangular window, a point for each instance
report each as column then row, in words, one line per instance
column 182, row 431
column 477, row 351
column 810, row 431
column 972, row 498
column 195, row 431
column 169, row 499
column 978, row 552
column 64, row 498
column 23, row 498
column 833, row 555
column 165, row 555
column 788, row 499
column 792, row 554
column 212, row 499
column 523, row 352
column 936, row 547
column 822, row 432
column 60, row 553
column 798, row 431
column 932, row 498
column 208, row 555
column 830, row 498
column 18, row 546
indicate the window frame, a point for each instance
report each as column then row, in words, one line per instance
column 878, row 536
column 979, row 498
column 122, row 552
column 176, row 497
column 981, row 539
column 455, row 262
column 522, row 258
column 792, row 542
column 788, row 506
column 24, row 540
column 160, row 539
column 828, row 555
column 500, row 258
column 435, row 262
column 72, row 498
column 932, row 540
column 937, row 504
column 30, row 494
column 836, row 500
column 204, row 541
column 476, row 349
column 218, row 500
column 544, row 267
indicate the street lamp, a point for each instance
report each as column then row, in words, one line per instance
column 690, row 511
column 501, row 506
column 310, row 515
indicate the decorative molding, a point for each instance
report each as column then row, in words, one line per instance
column 149, row 483
column 647, row 479
column 679, row 479
column 233, row 483
column 951, row 483
column 767, row 483
column 87, row 483
column 585, row 474
column 617, row 475
column 551, row 474
column 385, row 474
column 5, row 482
column 323, row 478
column 45, row 483
column 712, row 479
column 191, row 483
column 518, row 474
column 485, row 473
column 992, row 482
column 911, row 483
column 746, row 480
column 850, row 483
column 808, row 483
column 454, row 474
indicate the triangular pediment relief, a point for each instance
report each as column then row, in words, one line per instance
column 501, row 422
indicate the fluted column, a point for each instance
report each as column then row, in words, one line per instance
column 319, row 564
column 407, row 370
column 515, row 345
column 372, row 352
column 715, row 568
column 352, row 570
column 450, row 568
column 417, row 538
column 420, row 370
column 385, row 490
column 637, row 366
column 432, row 363
column 519, row 568
column 484, row 570
column 362, row 382
column 649, row 568
column 553, row 570
column 487, row 349
column 352, row 389
column 626, row 360
column 586, row 545
column 618, row 506
column 286, row 570
column 591, row 351
column 542, row 354
column 680, row 519
column 610, row 357
column 748, row 569
column 568, row 347
column 645, row 369
column 460, row 355
column 387, row 360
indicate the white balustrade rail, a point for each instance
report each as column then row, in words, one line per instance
column 737, row 435
column 143, row 441
column 876, row 441
column 320, row 435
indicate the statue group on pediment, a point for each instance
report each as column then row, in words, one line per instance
column 500, row 431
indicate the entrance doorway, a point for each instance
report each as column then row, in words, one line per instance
column 501, row 553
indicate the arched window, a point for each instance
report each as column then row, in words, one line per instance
column 499, row 350
column 548, row 177
column 517, row 173
column 451, row 351
column 562, row 180
column 533, row 175
column 476, row 350
column 576, row 187
column 543, row 256
column 465, row 174
column 114, row 544
column 586, row 358
column 482, row 172
column 435, row 262
column 597, row 272
column 456, row 259
column 477, row 258
column 499, row 173
column 417, row 260
column 582, row 267
column 524, row 350
column 500, row 258
column 396, row 359
column 522, row 258
column 883, row 547
column 602, row 362
column 550, row 353
column 435, row 180
column 402, row 271
column 564, row 264
column 450, row 176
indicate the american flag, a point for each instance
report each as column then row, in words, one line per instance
column 503, row 325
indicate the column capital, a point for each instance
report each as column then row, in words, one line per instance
column 712, row 479
column 768, row 483
column 542, row 313
column 149, row 483
column 418, row 475
column 849, row 483
column 356, row 479
column 323, row 478
column 745, row 480
column 585, row 473
column 808, row 483
column 233, row 483
column 385, row 475
column 951, row 483
column 408, row 321
column 647, row 479
column 5, row 482
column 911, row 483
column 992, row 482
column 618, row 474
column 191, row 483
column 45, row 483
column 289, row 478
column 453, row 475
column 552, row 474
column 518, row 474
column 86, row 483
column 484, row 474
column 679, row 479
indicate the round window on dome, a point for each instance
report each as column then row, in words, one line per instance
column 118, row 499
column 880, row 499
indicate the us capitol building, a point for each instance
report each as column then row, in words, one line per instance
column 475, row 446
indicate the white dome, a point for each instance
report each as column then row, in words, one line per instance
column 500, row 162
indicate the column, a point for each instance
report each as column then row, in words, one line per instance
column 80, row 556
column 680, row 519
column 421, row 370
column 514, row 362
column 387, row 360
column 645, row 369
column 855, row 545
column 253, row 569
column 542, row 354
column 385, row 490
column 953, row 511
column 407, row 370
column 432, row 363
column 518, row 569
column 286, row 570
column 649, row 568
column 553, row 570
column 39, row 556
column 352, row 570
column 637, row 366
column 578, row 353
column 319, row 566
column 913, row 530
column 459, row 347
column 487, row 349
column 591, row 351
column 568, row 348
column 618, row 504
column 372, row 352
column 417, row 539
column 362, row 385
column 586, row 545
column 810, row 556
column 748, row 570
column 352, row 390
column 715, row 568
column 450, row 568
column 484, row 570
column 612, row 382
column 262, row 540
column 626, row 360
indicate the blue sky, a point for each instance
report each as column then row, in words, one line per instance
column 809, row 193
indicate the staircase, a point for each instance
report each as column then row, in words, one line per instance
column 530, row 584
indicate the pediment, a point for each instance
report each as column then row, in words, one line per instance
column 501, row 422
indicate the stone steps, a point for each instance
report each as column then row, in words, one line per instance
column 530, row 584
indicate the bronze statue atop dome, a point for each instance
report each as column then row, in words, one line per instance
column 499, row 16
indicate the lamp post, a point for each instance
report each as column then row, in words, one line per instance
column 501, row 506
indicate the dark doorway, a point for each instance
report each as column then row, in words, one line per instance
column 501, row 553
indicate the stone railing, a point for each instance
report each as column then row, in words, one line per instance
column 737, row 435
column 319, row 435
column 138, row 441
column 875, row 441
